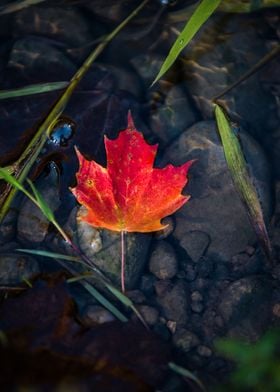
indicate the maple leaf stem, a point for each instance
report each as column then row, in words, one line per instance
column 123, row 243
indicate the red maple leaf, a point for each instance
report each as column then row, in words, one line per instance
column 130, row 195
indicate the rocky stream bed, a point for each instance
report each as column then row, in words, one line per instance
column 203, row 278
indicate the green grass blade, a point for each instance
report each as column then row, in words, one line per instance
column 45, row 209
column 52, row 255
column 30, row 154
column 198, row 18
column 7, row 169
column 103, row 301
column 121, row 297
column 32, row 89
column 186, row 373
column 6, row 176
column 241, row 178
column 80, row 277
column 18, row 5
column 126, row 301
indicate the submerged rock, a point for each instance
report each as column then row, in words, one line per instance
column 31, row 58
column 215, row 207
column 163, row 262
column 195, row 244
column 15, row 268
column 173, row 113
column 173, row 300
column 149, row 313
column 104, row 248
column 32, row 225
column 60, row 24
column 242, row 304
column 95, row 314
column 212, row 65
column 185, row 340
column 8, row 227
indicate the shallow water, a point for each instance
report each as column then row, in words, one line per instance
column 202, row 279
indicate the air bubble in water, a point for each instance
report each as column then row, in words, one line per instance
column 62, row 132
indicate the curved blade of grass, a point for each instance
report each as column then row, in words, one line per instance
column 121, row 297
column 80, row 277
column 99, row 297
column 30, row 154
column 126, row 301
column 103, row 301
column 45, row 209
column 18, row 5
column 32, row 89
column 241, row 178
column 186, row 373
column 52, row 255
column 6, row 176
column 198, row 18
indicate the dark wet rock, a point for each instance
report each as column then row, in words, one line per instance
column 190, row 272
column 162, row 330
column 32, row 225
column 172, row 326
column 44, row 319
column 210, row 185
column 95, row 314
column 136, row 296
column 147, row 283
column 149, row 313
column 243, row 264
column 8, row 227
column 162, row 287
column 212, row 65
column 241, row 305
column 172, row 114
column 126, row 79
column 208, row 326
column 250, row 250
column 185, row 340
column 174, row 301
column 14, row 268
column 276, row 272
column 276, row 310
column 113, row 11
column 204, row 351
column 274, row 148
column 163, row 261
column 108, row 258
column 33, row 59
column 174, row 383
column 195, row 244
column 89, row 239
column 204, row 267
column 196, row 296
column 197, row 307
column 147, row 67
column 59, row 24
column 200, row 284
column 221, row 271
